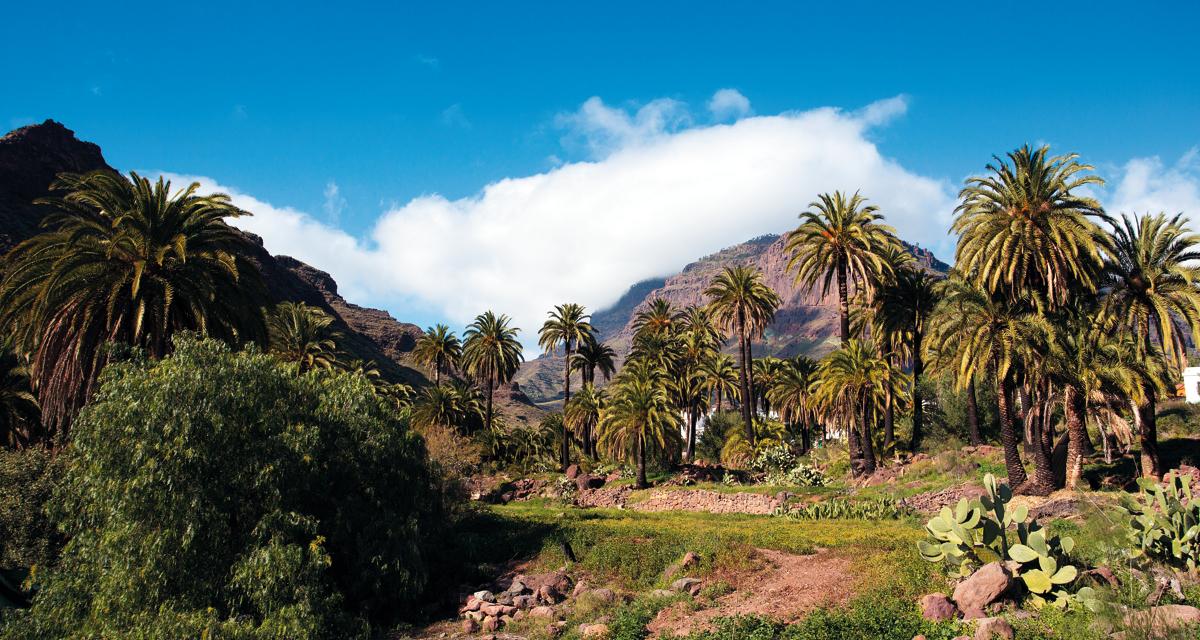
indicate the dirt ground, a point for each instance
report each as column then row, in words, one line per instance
column 782, row 586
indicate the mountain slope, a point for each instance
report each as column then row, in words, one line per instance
column 31, row 157
column 806, row 322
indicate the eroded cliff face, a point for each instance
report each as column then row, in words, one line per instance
column 31, row 157
column 805, row 323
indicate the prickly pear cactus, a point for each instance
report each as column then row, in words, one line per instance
column 1164, row 522
column 987, row 530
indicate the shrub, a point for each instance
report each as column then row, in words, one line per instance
column 219, row 494
column 1164, row 522
column 28, row 479
column 884, row 508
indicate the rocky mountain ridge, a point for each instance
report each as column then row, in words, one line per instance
column 31, row 157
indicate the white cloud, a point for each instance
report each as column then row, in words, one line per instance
column 729, row 104
column 428, row 61
column 882, row 112
column 334, row 202
column 1146, row 185
column 658, row 195
column 453, row 116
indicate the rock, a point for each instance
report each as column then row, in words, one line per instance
column 597, row 631
column 517, row 587
column 918, row 637
column 504, row 598
column 690, row 559
column 661, row 593
column 937, row 607
column 470, row 626
column 1162, row 619
column 486, row 596
column 603, row 595
column 588, row 481
column 690, row 586
column 490, row 624
column 1103, row 574
column 572, row 472
column 984, row 587
column 473, row 604
column 580, row 587
column 525, row 602
column 990, row 628
column 542, row 612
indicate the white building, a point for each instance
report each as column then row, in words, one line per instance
column 1191, row 384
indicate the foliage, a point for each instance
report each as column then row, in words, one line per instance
column 740, row 450
column 298, row 506
column 439, row 349
column 491, row 354
column 303, row 334
column 129, row 261
column 781, row 467
column 882, row 508
column 20, row 415
column 28, row 480
column 639, row 417
column 978, row 532
column 1164, row 521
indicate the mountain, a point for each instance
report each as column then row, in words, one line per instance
column 805, row 323
column 31, row 157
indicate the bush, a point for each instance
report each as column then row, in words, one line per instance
column 28, row 479
column 1164, row 522
column 218, row 494
column 884, row 508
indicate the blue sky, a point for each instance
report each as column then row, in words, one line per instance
column 396, row 102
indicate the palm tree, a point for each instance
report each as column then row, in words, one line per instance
column 124, row 260
column 902, row 308
column 850, row 389
column 743, row 304
column 696, row 346
column 792, row 394
column 1151, row 284
column 568, row 326
column 640, row 416
column 591, row 356
column 450, row 406
column 439, row 349
column 1022, row 231
column 19, row 413
column 658, row 317
column 491, row 354
column 720, row 377
column 840, row 238
column 304, row 335
column 582, row 414
column 973, row 331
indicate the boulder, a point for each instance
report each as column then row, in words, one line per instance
column 517, row 587
column 662, row 593
column 525, row 602
column 470, row 626
column 473, row 604
column 936, row 607
column 490, row 624
column 1103, row 574
column 542, row 612
column 580, row 587
column 690, row 559
column 595, row 631
column 991, row 628
column 588, row 481
column 1163, row 619
column 689, row 586
column 984, row 587
column 603, row 595
column 486, row 596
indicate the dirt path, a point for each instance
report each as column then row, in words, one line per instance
column 783, row 586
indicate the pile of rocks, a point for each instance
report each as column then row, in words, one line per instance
column 975, row 599
column 487, row 611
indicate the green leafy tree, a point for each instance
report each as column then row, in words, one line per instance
column 1025, row 230
column 124, row 260
column 298, row 506
column 304, row 335
column 492, row 354
column 743, row 305
column 1151, row 284
column 439, row 349
column 842, row 239
column 567, row 327
column 639, row 417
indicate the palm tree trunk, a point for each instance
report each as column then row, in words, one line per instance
column 1043, row 471
column 691, row 443
column 565, row 459
column 1073, row 407
column 867, row 445
column 489, row 402
column 805, row 444
column 641, row 463
column 747, row 418
column 973, row 415
column 918, row 414
column 889, row 422
column 843, row 301
column 1008, row 433
column 1022, row 415
column 1147, row 424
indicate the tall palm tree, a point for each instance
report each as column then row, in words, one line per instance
column 744, row 305
column 567, row 326
column 696, row 345
column 439, row 349
column 721, row 378
column 304, row 335
column 582, row 415
column 902, row 308
column 591, row 356
column 1024, row 228
column 124, row 260
column 491, row 354
column 792, row 394
column 850, row 389
column 1151, row 284
column 640, row 416
column 658, row 317
column 975, row 331
column 843, row 239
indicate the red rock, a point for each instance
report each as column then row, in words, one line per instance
column 984, row 587
column 1163, row 619
column 991, row 628
column 937, row 607
column 470, row 626
column 491, row 624
column 572, row 471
